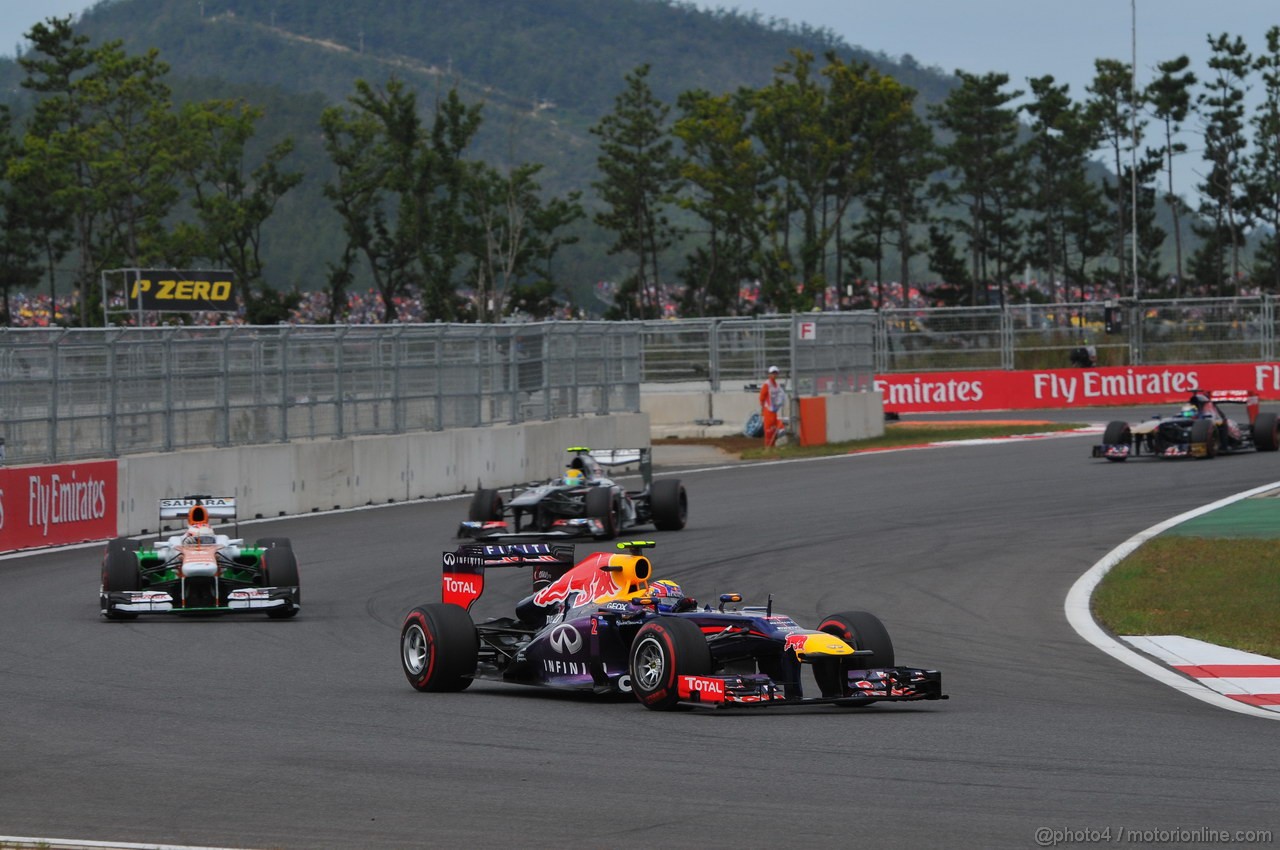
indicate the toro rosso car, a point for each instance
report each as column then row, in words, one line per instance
column 583, row 502
column 1199, row 429
column 199, row 570
column 603, row 626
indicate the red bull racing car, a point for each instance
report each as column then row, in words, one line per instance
column 199, row 570
column 584, row 502
column 1199, row 429
column 604, row 626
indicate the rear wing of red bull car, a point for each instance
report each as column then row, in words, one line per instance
column 462, row 580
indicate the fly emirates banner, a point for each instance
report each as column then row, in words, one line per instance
column 944, row 392
column 52, row 505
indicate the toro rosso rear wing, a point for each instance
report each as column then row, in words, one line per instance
column 462, row 581
column 1245, row 397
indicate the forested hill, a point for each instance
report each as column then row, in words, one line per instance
column 545, row 70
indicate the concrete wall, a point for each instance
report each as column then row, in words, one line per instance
column 300, row 477
column 675, row 414
column 850, row 416
column 854, row 416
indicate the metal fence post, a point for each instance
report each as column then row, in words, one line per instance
column 113, row 414
column 339, row 365
column 1268, row 330
column 714, row 365
column 285, row 342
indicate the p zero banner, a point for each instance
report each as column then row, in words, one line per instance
column 944, row 392
column 181, row 290
column 53, row 505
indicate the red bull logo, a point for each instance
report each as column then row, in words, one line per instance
column 794, row 643
column 587, row 581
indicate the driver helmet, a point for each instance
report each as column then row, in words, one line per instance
column 664, row 588
column 574, row 477
column 1188, row 411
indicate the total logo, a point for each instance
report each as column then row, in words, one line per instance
column 709, row 690
column 460, row 585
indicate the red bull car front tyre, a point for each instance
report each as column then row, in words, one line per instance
column 862, row 631
column 664, row 650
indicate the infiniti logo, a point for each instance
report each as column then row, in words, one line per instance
column 565, row 639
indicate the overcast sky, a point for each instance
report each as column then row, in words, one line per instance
column 1029, row 38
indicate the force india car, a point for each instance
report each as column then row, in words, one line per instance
column 603, row 627
column 585, row 502
column 199, row 571
column 1199, row 429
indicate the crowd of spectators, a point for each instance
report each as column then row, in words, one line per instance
column 38, row 310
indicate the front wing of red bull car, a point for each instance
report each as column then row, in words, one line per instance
column 600, row 625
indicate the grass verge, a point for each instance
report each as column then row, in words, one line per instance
column 1224, row 591
column 896, row 434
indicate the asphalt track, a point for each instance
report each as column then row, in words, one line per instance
column 304, row 734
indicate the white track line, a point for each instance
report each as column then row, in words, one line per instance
column 80, row 844
column 1081, row 619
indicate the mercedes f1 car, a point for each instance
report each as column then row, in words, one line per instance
column 199, row 571
column 1199, row 429
column 582, row 503
column 603, row 626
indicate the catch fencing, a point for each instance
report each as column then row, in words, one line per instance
column 82, row 393
column 85, row 393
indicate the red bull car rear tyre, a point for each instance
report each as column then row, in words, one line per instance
column 439, row 647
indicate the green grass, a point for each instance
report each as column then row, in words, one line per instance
column 1224, row 591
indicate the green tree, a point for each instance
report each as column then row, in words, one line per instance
column 904, row 160
column 1264, row 165
column 1057, row 152
column 985, row 169
column 724, row 178
column 514, row 232
column 1169, row 97
column 231, row 200
column 1223, row 205
column 639, row 176
column 102, row 140
column 1114, row 106
column 19, row 250
column 400, row 189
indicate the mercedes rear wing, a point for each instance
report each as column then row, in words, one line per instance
column 462, row 581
